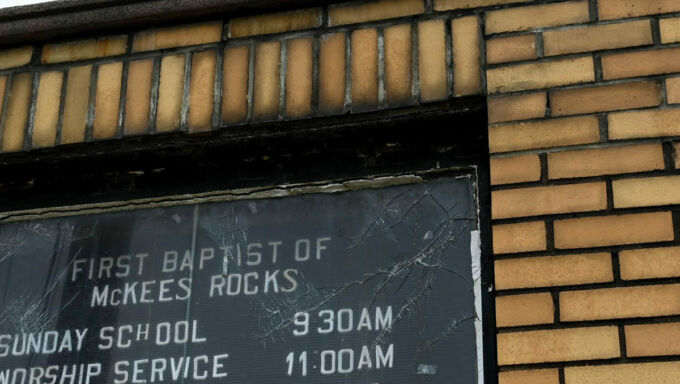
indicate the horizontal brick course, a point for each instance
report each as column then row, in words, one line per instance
column 613, row 230
column 508, row 49
column 670, row 30
column 545, row 74
column 85, row 49
column 522, row 237
column 641, row 63
column 673, row 90
column 350, row 13
column 646, row 192
column 544, row 134
column 624, row 373
column 178, row 36
column 275, row 23
column 548, row 200
column 551, row 271
column 594, row 38
column 536, row 16
column 558, row 345
column 605, row 98
column 517, row 169
column 650, row 263
column 517, row 107
column 618, row 303
column 637, row 124
column 617, row 9
column 445, row 5
column 532, row 376
column 531, row 309
column 653, row 339
column 605, row 161
column 15, row 57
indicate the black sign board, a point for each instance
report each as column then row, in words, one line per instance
column 374, row 285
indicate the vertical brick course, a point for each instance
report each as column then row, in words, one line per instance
column 47, row 109
column 16, row 115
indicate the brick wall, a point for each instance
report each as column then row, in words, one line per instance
column 581, row 100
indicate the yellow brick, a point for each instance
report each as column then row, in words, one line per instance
column 398, row 64
column 47, row 109
column 507, row 49
column 267, row 80
column 432, row 60
column 519, row 107
column 646, row 192
column 605, row 161
column 107, row 101
column 170, row 92
column 76, row 104
column 650, row 263
column 545, row 74
column 634, row 124
column 594, row 38
column 84, row 49
column 178, row 36
column 15, row 57
column 467, row 79
column 653, row 339
column 517, row 169
column 235, row 85
column 531, row 309
column 553, row 271
column 3, row 85
column 619, row 9
column 533, row 376
column 641, row 63
column 202, row 91
column 364, row 68
column 676, row 154
column 16, row 116
column 138, row 96
column 537, row 16
column 522, row 237
column 332, row 73
column 670, row 30
column 624, row 373
column 275, row 22
column 558, row 345
column 534, row 201
column 299, row 78
column 445, row 5
column 544, row 134
column 673, row 90
column 350, row 13
column 613, row 230
column 617, row 303
column 605, row 98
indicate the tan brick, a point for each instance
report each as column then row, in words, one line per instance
column 84, row 49
column 673, row 90
column 605, row 161
column 432, row 60
column 267, row 84
column 641, row 63
column 47, row 109
column 533, row 376
column 653, row 339
column 467, row 78
column 544, row 134
column 107, row 100
column 350, row 13
column 595, row 38
column 519, row 107
column 202, row 91
column 332, row 73
column 619, row 9
column 76, row 104
column 558, row 345
column 299, row 78
column 553, row 271
column 275, row 22
column 16, row 115
column 521, row 237
column 554, row 199
column 235, row 85
column 170, row 93
column 445, row 5
column 617, row 303
column 178, row 36
column 15, row 57
column 544, row 74
column 517, row 169
column 635, row 124
column 531, row 309
column 364, row 68
column 650, row 263
column 670, row 30
column 536, row 16
column 3, row 86
column 646, row 192
column 623, row 373
column 605, row 98
column 613, row 230
column 676, row 154
column 507, row 49
column 138, row 97
column 398, row 64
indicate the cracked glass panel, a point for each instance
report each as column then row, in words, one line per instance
column 376, row 285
